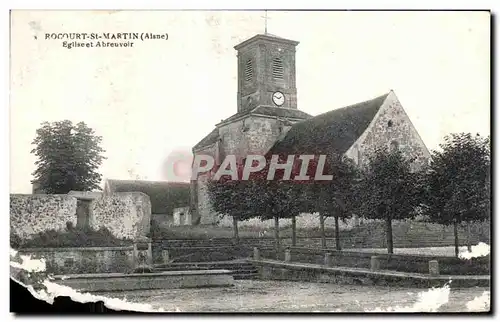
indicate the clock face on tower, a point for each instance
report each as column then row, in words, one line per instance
column 278, row 98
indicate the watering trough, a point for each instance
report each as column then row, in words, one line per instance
column 145, row 278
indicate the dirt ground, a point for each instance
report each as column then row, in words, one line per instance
column 283, row 296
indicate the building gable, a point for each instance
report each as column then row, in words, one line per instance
column 391, row 127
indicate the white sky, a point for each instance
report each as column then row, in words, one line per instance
column 162, row 97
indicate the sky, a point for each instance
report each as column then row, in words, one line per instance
column 157, row 99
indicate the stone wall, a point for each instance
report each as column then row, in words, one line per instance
column 252, row 135
column 262, row 134
column 125, row 214
column 80, row 260
column 32, row 214
column 204, row 207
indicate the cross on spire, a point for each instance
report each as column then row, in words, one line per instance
column 265, row 21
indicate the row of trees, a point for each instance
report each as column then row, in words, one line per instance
column 453, row 189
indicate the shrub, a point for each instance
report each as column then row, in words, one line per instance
column 15, row 241
column 73, row 237
column 69, row 226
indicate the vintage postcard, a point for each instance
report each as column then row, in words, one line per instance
column 250, row 161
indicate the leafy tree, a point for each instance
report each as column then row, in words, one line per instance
column 235, row 198
column 334, row 198
column 225, row 198
column 458, row 182
column 279, row 199
column 388, row 190
column 68, row 157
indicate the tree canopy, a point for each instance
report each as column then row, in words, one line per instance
column 458, row 181
column 388, row 189
column 69, row 156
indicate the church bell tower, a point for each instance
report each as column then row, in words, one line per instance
column 266, row 72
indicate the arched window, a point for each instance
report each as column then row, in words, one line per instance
column 277, row 68
column 248, row 70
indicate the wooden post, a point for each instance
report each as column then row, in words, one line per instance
column 288, row 256
column 256, row 254
column 375, row 263
column 294, row 231
column 149, row 260
column 433, row 268
column 165, row 256
column 328, row 259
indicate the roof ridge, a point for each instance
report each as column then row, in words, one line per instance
column 335, row 130
column 357, row 104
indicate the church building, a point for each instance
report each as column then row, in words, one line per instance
column 267, row 119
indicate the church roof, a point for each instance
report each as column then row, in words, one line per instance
column 334, row 131
column 164, row 196
column 210, row 139
column 268, row 37
column 271, row 111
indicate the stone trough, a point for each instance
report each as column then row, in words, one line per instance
column 109, row 282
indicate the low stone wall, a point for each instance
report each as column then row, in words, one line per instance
column 148, row 281
column 202, row 254
column 32, row 214
column 402, row 263
column 79, row 260
column 272, row 270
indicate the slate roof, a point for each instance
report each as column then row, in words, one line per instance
column 164, row 196
column 331, row 132
column 271, row 111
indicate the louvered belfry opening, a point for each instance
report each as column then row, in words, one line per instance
column 277, row 68
column 248, row 70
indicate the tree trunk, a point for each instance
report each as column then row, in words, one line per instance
column 388, row 234
column 277, row 234
column 322, row 229
column 455, row 232
column 469, row 238
column 235, row 230
column 294, row 231
column 337, row 234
